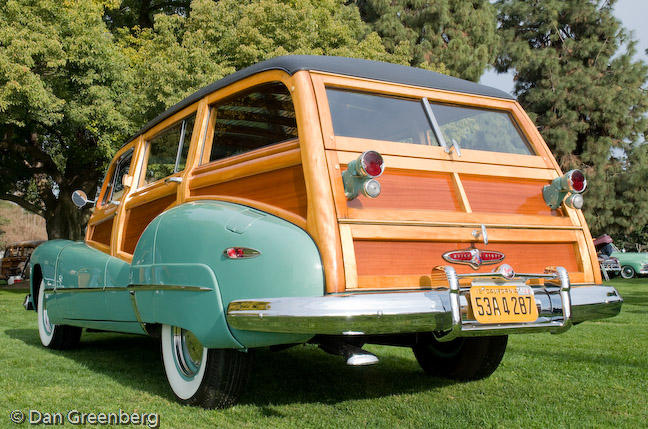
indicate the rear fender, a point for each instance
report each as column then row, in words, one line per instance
column 181, row 276
column 43, row 266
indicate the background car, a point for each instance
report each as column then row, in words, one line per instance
column 632, row 263
column 15, row 261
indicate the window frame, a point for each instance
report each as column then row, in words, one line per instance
column 107, row 199
column 155, row 132
column 542, row 157
column 208, row 138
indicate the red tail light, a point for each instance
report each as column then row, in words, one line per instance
column 577, row 181
column 371, row 163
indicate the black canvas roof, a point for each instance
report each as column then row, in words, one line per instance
column 368, row 69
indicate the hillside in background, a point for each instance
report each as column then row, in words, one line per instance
column 20, row 225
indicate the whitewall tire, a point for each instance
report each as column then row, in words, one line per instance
column 54, row 336
column 209, row 378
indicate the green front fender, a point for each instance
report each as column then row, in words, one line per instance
column 180, row 260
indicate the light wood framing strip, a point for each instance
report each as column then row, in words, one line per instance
column 436, row 216
column 462, row 234
column 457, row 167
column 474, row 224
column 354, row 144
column 348, row 252
column 463, row 198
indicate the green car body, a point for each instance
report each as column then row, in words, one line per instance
column 179, row 275
column 632, row 263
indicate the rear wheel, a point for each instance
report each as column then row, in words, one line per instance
column 464, row 359
column 627, row 272
column 209, row 378
column 53, row 336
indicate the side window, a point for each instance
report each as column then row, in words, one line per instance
column 169, row 149
column 115, row 189
column 263, row 116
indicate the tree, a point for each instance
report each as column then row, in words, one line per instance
column 62, row 79
column 458, row 36
column 71, row 91
column 3, row 222
column 576, row 76
column 141, row 13
column 183, row 53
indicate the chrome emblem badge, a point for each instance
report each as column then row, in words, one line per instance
column 474, row 257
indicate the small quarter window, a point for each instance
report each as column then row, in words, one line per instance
column 169, row 149
column 251, row 120
column 115, row 189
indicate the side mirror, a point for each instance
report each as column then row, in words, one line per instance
column 80, row 199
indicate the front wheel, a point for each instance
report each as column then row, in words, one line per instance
column 54, row 336
column 462, row 359
column 627, row 272
column 209, row 378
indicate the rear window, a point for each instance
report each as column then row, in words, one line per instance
column 403, row 120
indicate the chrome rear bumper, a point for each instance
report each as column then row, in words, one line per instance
column 444, row 311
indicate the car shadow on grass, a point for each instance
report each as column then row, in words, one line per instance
column 303, row 374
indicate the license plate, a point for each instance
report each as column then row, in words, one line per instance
column 503, row 304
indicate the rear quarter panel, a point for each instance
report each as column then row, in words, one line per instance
column 184, row 247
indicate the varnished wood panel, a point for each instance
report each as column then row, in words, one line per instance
column 427, row 217
column 101, row 232
column 384, row 258
column 283, row 188
column 404, row 189
column 138, row 218
column 505, row 195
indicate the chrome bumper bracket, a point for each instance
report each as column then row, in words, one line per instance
column 473, row 328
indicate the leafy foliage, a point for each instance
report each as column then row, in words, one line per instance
column 61, row 82
column 457, row 37
column 575, row 75
column 184, row 53
column 72, row 91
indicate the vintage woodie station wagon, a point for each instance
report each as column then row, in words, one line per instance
column 328, row 200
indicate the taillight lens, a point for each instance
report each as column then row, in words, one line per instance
column 372, row 163
column 577, row 181
column 240, row 252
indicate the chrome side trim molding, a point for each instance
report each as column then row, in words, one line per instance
column 138, row 316
column 443, row 311
column 129, row 288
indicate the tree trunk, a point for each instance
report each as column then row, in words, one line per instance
column 65, row 220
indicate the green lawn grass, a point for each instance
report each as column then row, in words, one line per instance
column 595, row 375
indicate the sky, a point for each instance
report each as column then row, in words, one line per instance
column 633, row 14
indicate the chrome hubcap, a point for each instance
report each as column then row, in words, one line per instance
column 188, row 351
